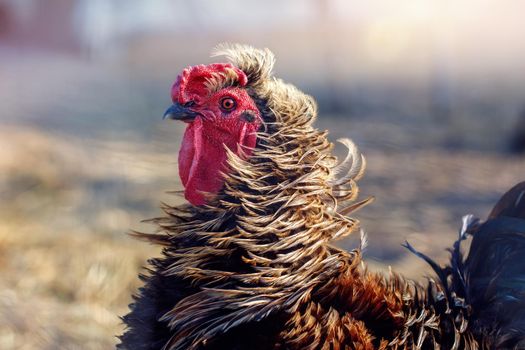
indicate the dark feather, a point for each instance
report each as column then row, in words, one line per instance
column 490, row 283
column 495, row 271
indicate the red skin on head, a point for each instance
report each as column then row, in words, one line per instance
column 202, row 156
column 190, row 84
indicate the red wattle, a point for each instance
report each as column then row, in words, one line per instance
column 200, row 164
column 190, row 150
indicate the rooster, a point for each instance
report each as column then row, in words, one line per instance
column 248, row 263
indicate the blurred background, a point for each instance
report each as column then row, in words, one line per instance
column 432, row 91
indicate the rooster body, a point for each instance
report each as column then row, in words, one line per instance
column 251, row 265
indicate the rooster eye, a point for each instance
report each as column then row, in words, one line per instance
column 228, row 104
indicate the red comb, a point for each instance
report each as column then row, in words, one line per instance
column 190, row 85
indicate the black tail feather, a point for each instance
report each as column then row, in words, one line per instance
column 511, row 204
column 495, row 270
column 491, row 280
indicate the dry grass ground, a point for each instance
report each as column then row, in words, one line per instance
column 65, row 277
column 67, row 269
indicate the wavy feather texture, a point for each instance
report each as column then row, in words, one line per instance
column 254, row 269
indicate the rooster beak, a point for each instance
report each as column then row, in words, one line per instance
column 178, row 112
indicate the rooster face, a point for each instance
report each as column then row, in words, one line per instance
column 219, row 113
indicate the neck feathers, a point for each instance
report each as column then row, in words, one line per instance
column 261, row 246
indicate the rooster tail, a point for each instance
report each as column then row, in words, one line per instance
column 488, row 286
column 495, row 272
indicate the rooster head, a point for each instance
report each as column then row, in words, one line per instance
column 214, row 103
